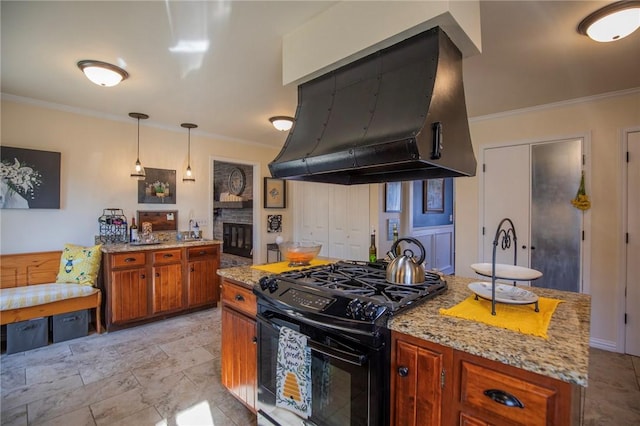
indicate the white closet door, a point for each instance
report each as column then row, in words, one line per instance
column 313, row 214
column 632, row 329
column 349, row 222
column 506, row 195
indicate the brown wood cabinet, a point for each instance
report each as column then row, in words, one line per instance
column 435, row 385
column 202, row 281
column 239, row 342
column 144, row 285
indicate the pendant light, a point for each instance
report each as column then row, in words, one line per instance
column 138, row 171
column 188, row 174
column 612, row 22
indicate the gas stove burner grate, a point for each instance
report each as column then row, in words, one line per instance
column 363, row 281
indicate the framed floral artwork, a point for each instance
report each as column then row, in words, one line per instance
column 158, row 187
column 30, row 179
column 275, row 193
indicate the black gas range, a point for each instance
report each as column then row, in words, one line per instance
column 342, row 309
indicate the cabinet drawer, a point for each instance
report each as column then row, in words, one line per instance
column 125, row 260
column 198, row 252
column 516, row 400
column 167, row 256
column 239, row 298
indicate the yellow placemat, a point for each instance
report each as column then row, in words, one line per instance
column 520, row 318
column 278, row 267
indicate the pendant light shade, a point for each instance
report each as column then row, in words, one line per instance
column 138, row 170
column 102, row 73
column 282, row 122
column 612, row 22
column 188, row 173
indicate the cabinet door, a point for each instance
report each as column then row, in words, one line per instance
column 417, row 384
column 129, row 299
column 349, row 222
column 202, row 288
column 239, row 356
column 167, row 288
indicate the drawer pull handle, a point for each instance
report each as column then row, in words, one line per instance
column 504, row 398
column 130, row 259
column 167, row 255
column 239, row 298
column 202, row 252
column 403, row 371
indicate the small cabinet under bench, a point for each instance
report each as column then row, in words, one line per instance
column 239, row 354
column 144, row 285
column 436, row 385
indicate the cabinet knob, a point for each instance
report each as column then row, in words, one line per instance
column 524, row 247
column 403, row 371
column 157, row 274
column 504, row 398
column 254, row 339
column 143, row 276
column 533, row 248
column 192, row 269
column 130, row 259
column 239, row 298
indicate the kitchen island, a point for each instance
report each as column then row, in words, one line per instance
column 463, row 356
column 144, row 283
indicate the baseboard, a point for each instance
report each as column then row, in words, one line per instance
column 605, row 345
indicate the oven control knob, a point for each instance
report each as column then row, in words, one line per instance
column 354, row 309
column 264, row 283
column 273, row 285
column 370, row 311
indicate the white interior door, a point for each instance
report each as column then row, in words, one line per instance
column 312, row 213
column 349, row 222
column 507, row 186
column 632, row 309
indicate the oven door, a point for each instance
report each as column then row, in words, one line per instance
column 345, row 388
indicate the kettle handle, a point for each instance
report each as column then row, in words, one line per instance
column 414, row 241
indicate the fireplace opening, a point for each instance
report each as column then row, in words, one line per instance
column 237, row 238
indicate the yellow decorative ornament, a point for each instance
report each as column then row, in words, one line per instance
column 582, row 199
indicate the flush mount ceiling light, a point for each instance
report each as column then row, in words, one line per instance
column 102, row 73
column 138, row 171
column 282, row 122
column 188, row 174
column 612, row 22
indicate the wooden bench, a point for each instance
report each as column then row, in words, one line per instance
column 18, row 270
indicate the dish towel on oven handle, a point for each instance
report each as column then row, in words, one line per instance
column 293, row 373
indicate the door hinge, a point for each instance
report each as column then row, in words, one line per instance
column 484, row 167
column 625, row 318
column 627, row 156
column 583, row 159
column 626, row 238
column 483, row 230
column 442, row 376
column 583, row 235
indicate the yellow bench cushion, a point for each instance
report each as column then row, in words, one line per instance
column 33, row 295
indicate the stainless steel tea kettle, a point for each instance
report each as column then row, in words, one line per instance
column 405, row 269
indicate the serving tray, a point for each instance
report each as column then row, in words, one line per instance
column 507, row 272
column 504, row 293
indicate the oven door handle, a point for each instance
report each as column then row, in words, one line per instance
column 348, row 357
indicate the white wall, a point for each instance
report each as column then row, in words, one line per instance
column 97, row 157
column 603, row 119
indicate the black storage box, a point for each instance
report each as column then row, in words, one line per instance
column 70, row 325
column 25, row 335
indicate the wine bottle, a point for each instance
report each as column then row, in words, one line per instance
column 133, row 231
column 395, row 240
column 373, row 252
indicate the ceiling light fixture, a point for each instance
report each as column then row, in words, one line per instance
column 138, row 171
column 282, row 122
column 102, row 73
column 612, row 22
column 188, row 174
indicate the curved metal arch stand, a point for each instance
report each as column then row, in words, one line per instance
column 505, row 236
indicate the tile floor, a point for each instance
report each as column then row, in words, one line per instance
column 168, row 373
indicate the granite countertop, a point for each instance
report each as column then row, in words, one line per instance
column 118, row 248
column 243, row 274
column 564, row 356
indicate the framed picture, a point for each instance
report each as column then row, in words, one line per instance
column 30, row 179
column 275, row 193
column 274, row 223
column 433, row 196
column 392, row 199
column 158, row 187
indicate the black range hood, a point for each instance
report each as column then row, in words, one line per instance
column 396, row 115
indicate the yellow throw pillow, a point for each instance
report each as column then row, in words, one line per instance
column 79, row 265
